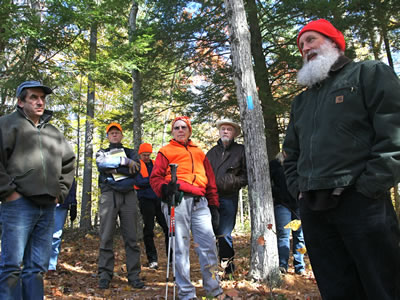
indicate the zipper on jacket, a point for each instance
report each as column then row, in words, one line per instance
column 41, row 155
column 191, row 157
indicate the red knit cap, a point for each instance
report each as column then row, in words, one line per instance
column 145, row 148
column 184, row 119
column 326, row 28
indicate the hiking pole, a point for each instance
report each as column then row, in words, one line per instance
column 171, row 233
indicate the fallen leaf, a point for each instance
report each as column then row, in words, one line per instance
column 293, row 225
column 302, row 250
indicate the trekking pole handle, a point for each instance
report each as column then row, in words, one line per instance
column 173, row 172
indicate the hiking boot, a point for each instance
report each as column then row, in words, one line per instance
column 137, row 284
column 301, row 272
column 104, row 284
column 153, row 265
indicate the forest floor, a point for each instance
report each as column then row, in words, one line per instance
column 76, row 275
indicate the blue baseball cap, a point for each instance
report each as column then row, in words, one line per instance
column 33, row 84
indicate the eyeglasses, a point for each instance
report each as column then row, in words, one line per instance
column 180, row 127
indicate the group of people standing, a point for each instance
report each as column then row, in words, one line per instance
column 198, row 206
column 340, row 158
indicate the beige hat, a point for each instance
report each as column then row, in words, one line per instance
column 229, row 122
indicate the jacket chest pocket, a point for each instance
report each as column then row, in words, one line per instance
column 343, row 102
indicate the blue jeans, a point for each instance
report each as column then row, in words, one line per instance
column 228, row 207
column 25, row 248
column 283, row 216
column 60, row 215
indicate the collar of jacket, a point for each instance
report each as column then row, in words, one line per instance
column 115, row 145
column 220, row 143
column 340, row 63
column 45, row 118
column 176, row 143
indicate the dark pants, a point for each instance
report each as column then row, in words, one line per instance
column 228, row 207
column 354, row 248
column 150, row 209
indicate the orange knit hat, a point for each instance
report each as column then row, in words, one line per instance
column 184, row 119
column 145, row 148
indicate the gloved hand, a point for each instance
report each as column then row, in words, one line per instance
column 214, row 217
column 168, row 190
column 72, row 213
column 133, row 166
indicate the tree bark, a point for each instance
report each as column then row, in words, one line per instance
column 136, row 83
column 264, row 250
column 262, row 81
column 86, row 208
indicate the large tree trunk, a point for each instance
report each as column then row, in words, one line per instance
column 264, row 250
column 86, row 209
column 136, row 83
column 262, row 81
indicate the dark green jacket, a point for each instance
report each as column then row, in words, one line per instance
column 37, row 162
column 346, row 131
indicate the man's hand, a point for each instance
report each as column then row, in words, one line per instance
column 168, row 190
column 214, row 217
column 133, row 166
column 13, row 196
column 72, row 213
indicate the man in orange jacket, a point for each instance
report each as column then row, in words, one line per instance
column 196, row 203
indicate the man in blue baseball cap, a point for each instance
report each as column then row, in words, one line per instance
column 36, row 172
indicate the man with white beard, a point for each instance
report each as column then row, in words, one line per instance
column 228, row 161
column 342, row 151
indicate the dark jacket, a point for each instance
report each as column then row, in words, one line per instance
column 71, row 197
column 345, row 131
column 279, row 188
column 143, row 183
column 106, row 178
column 35, row 161
column 229, row 166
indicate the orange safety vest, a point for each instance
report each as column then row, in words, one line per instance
column 143, row 171
column 190, row 160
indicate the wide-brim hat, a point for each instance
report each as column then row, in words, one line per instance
column 230, row 122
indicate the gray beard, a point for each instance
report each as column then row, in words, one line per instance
column 316, row 70
column 225, row 140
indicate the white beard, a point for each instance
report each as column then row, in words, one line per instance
column 316, row 70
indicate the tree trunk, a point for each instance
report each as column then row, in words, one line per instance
column 86, row 209
column 397, row 200
column 387, row 48
column 264, row 250
column 262, row 81
column 136, row 83
column 137, row 105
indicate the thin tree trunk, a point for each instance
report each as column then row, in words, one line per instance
column 387, row 48
column 137, row 105
column 264, row 250
column 262, row 81
column 136, row 83
column 86, row 209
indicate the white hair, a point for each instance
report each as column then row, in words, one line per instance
column 316, row 70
